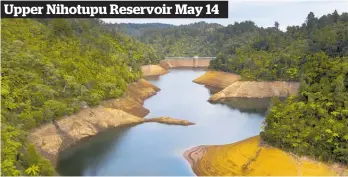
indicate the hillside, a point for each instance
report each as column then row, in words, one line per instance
column 51, row 68
column 170, row 40
column 137, row 30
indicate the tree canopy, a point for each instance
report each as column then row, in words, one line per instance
column 52, row 67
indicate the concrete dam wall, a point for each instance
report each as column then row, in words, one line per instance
column 185, row 62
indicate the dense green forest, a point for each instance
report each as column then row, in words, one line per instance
column 183, row 40
column 315, row 122
column 270, row 54
column 50, row 68
column 138, row 30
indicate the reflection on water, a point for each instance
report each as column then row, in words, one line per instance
column 212, row 90
column 156, row 149
column 254, row 105
column 154, row 78
column 90, row 147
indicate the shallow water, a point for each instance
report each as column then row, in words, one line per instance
column 156, row 149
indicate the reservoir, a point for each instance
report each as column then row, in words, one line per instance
column 155, row 149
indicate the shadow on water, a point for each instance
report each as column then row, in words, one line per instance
column 246, row 105
column 249, row 105
column 85, row 151
column 152, row 78
column 212, row 90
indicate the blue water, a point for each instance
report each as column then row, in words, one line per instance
column 157, row 149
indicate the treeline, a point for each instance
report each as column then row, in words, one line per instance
column 51, row 68
column 183, row 40
column 270, row 54
column 137, row 30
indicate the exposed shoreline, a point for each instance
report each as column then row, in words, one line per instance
column 153, row 70
column 217, row 79
column 254, row 89
column 249, row 158
column 232, row 87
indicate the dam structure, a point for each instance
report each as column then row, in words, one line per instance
column 186, row 62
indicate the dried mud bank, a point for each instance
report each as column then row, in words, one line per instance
column 133, row 100
column 253, row 89
column 52, row 138
column 217, row 79
column 185, row 63
column 232, row 87
column 153, row 70
column 249, row 158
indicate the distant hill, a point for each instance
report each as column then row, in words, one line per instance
column 137, row 29
column 172, row 40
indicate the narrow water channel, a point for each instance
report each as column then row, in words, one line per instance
column 157, row 149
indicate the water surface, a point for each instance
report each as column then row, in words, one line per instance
column 156, row 149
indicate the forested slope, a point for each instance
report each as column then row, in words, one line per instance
column 51, row 68
column 138, row 30
column 169, row 40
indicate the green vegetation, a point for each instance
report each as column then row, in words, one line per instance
column 50, row 68
column 270, row 54
column 183, row 40
column 138, row 30
column 315, row 122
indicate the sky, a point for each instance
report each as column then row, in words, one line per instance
column 262, row 12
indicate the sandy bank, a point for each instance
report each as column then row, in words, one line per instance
column 134, row 98
column 169, row 121
column 185, row 63
column 248, row 158
column 217, row 79
column 253, row 89
column 153, row 70
column 52, row 138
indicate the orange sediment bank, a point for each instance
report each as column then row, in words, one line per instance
column 254, row 89
column 185, row 63
column 217, row 79
column 249, row 158
column 153, row 70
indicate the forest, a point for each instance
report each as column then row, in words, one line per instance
column 315, row 53
column 51, row 68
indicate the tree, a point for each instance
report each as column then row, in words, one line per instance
column 310, row 21
column 276, row 25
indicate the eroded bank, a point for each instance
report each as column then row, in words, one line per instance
column 231, row 86
column 52, row 138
